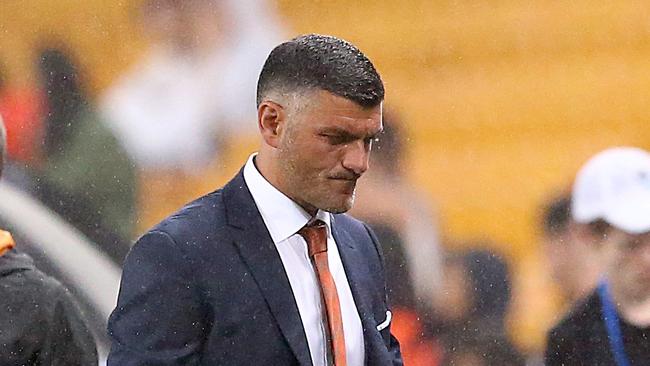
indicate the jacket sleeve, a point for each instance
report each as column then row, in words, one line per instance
column 159, row 317
column 392, row 344
column 69, row 341
column 42, row 324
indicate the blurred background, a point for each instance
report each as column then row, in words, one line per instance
column 118, row 112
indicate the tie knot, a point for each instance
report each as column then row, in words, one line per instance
column 315, row 235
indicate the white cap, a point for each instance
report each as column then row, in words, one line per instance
column 614, row 185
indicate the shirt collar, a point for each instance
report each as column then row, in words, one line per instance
column 282, row 216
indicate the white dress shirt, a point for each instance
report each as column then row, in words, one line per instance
column 283, row 219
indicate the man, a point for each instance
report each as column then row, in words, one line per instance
column 40, row 322
column 611, row 206
column 573, row 263
column 268, row 270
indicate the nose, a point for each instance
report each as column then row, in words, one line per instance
column 356, row 158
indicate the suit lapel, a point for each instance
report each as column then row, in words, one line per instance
column 258, row 251
column 354, row 265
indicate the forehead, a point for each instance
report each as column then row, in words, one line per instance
column 327, row 110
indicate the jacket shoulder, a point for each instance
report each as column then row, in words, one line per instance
column 574, row 333
column 585, row 312
column 201, row 218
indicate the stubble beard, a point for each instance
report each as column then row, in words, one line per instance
column 344, row 207
column 312, row 193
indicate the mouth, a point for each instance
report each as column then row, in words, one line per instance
column 349, row 177
column 345, row 179
column 349, row 184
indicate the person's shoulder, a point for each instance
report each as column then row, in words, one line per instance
column 24, row 284
column 579, row 336
column 194, row 228
column 580, row 318
column 204, row 213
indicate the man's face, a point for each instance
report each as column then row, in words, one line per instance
column 628, row 263
column 324, row 149
column 558, row 250
column 572, row 262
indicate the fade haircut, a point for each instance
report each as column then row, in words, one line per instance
column 318, row 62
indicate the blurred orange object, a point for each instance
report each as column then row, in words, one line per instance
column 21, row 109
column 416, row 349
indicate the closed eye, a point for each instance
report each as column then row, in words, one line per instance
column 338, row 139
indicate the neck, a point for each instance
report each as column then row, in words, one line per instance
column 265, row 165
column 583, row 285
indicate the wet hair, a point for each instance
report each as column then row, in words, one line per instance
column 557, row 216
column 318, row 62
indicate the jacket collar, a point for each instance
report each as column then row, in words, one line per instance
column 257, row 250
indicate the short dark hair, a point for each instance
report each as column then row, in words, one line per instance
column 557, row 215
column 327, row 63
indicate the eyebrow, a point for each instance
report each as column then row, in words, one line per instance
column 346, row 133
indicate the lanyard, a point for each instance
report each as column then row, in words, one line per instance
column 610, row 317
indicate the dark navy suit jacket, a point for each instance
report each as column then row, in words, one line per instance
column 207, row 287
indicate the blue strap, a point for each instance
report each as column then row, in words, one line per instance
column 610, row 317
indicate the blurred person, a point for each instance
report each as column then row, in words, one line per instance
column 87, row 177
column 22, row 113
column 41, row 324
column 269, row 270
column 574, row 263
column 611, row 210
column 179, row 109
column 409, row 231
column 474, row 303
column 418, row 347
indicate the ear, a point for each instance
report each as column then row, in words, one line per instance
column 271, row 118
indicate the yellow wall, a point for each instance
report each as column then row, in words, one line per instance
column 99, row 31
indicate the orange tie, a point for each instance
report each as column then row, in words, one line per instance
column 315, row 235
